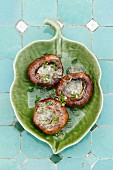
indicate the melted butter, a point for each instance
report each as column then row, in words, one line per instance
column 74, row 87
column 47, row 73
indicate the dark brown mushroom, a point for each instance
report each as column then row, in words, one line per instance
column 46, row 71
column 50, row 116
column 77, row 89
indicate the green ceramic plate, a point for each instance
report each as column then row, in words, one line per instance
column 74, row 55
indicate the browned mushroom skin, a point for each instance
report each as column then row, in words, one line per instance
column 35, row 65
column 50, row 112
column 86, row 93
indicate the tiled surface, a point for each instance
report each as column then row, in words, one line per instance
column 38, row 164
column 9, row 46
column 73, row 164
column 103, row 36
column 103, row 12
column 7, row 116
column 36, row 11
column 10, row 12
column 79, row 34
column 37, row 33
column 37, row 148
column 18, row 149
column 75, row 12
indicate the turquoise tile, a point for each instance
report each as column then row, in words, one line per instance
column 7, row 115
column 103, row 165
column 8, row 165
column 18, row 126
column 73, row 164
column 6, row 75
column 107, row 78
column 102, row 43
column 9, row 142
column 35, row 12
column 103, row 12
column 37, row 149
column 55, row 158
column 78, row 150
column 102, row 145
column 20, row 158
column 106, row 116
column 75, row 12
column 38, row 164
column 10, row 11
column 10, row 42
column 91, row 158
column 79, row 34
column 37, row 33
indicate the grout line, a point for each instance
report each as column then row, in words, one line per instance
column 22, row 40
column 24, row 163
column 91, row 142
column 57, row 8
column 108, row 93
column 21, row 141
column 6, row 59
column 91, row 39
column 4, row 92
column 8, row 158
column 105, row 126
column 22, row 9
column 106, row 26
column 55, row 166
column 92, row 9
column 104, row 59
column 6, row 25
column 6, row 125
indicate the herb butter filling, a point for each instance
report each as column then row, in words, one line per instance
column 74, row 88
column 48, row 72
column 46, row 115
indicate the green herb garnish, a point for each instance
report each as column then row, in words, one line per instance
column 62, row 99
column 44, row 64
column 55, row 66
column 67, row 71
column 37, row 99
column 49, row 103
column 55, row 118
column 74, row 95
column 74, row 61
column 46, row 76
column 30, row 89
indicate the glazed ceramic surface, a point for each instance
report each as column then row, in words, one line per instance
column 24, row 93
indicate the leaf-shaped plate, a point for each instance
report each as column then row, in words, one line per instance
column 74, row 55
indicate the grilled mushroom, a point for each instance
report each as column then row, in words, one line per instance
column 77, row 88
column 46, row 71
column 50, row 116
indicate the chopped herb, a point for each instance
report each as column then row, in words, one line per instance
column 44, row 64
column 74, row 95
column 30, row 89
column 55, row 118
column 74, row 61
column 46, row 76
column 36, row 86
column 37, row 99
column 45, row 53
column 49, row 103
column 62, row 99
column 52, row 93
column 67, row 71
column 55, row 66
